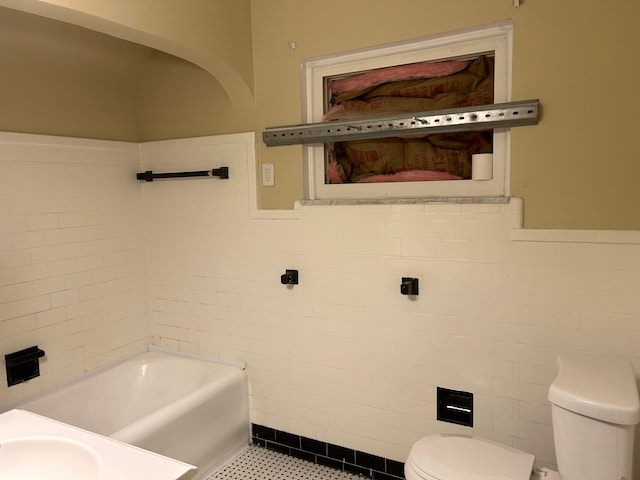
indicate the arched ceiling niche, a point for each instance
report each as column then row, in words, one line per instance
column 64, row 79
column 213, row 34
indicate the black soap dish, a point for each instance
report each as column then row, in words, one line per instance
column 23, row 365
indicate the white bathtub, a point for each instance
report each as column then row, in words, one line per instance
column 190, row 409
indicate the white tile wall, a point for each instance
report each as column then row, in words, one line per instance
column 341, row 357
column 72, row 255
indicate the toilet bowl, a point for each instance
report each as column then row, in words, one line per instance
column 462, row 457
column 595, row 408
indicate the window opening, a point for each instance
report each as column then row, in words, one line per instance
column 416, row 87
column 472, row 67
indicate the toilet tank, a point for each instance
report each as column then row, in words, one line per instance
column 594, row 408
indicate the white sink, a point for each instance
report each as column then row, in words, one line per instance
column 33, row 447
column 53, row 458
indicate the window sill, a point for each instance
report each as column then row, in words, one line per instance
column 402, row 201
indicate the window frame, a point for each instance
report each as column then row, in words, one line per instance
column 495, row 38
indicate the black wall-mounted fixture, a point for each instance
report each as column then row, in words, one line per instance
column 149, row 176
column 409, row 286
column 289, row 277
column 455, row 406
column 23, row 365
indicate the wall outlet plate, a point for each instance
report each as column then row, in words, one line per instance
column 268, row 179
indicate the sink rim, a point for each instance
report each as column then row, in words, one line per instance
column 58, row 456
column 120, row 461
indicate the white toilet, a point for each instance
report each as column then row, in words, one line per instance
column 594, row 405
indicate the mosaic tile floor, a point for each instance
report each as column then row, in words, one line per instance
column 258, row 463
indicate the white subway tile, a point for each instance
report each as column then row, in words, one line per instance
column 14, row 258
column 34, row 305
column 91, row 292
column 63, row 267
column 48, row 285
column 27, row 273
column 342, row 356
column 13, row 224
column 56, row 205
column 87, row 233
column 27, row 239
column 5, row 242
column 25, row 206
column 65, row 297
column 77, row 279
column 8, row 310
column 16, row 291
column 18, row 326
column 76, row 250
column 7, row 276
column 46, row 254
column 59, row 236
column 72, row 219
column 42, row 221
column 51, row 316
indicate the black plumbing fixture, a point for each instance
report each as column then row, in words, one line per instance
column 409, row 286
column 149, row 176
column 289, row 277
column 23, row 365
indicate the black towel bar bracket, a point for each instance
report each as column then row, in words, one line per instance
column 149, row 176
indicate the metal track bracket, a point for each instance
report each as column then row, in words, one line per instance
column 483, row 117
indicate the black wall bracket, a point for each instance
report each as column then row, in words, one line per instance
column 23, row 365
column 149, row 176
column 289, row 277
column 409, row 286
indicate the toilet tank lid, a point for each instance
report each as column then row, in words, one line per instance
column 597, row 386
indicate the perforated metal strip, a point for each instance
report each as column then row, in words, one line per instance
column 483, row 117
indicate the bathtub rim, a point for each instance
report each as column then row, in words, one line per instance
column 240, row 365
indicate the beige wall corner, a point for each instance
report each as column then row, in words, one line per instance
column 214, row 34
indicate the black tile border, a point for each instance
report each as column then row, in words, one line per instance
column 328, row 454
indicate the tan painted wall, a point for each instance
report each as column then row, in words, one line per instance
column 576, row 169
column 178, row 99
column 82, row 85
column 214, row 34
column 61, row 79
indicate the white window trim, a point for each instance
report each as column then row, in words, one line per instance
column 496, row 38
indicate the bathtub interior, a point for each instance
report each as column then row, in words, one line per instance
column 191, row 409
column 111, row 399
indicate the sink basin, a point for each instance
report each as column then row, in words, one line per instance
column 33, row 447
column 48, row 457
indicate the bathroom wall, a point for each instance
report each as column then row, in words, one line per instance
column 61, row 79
column 343, row 357
column 72, row 255
column 177, row 99
column 215, row 35
column 94, row 264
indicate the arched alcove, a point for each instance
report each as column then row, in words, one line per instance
column 63, row 79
